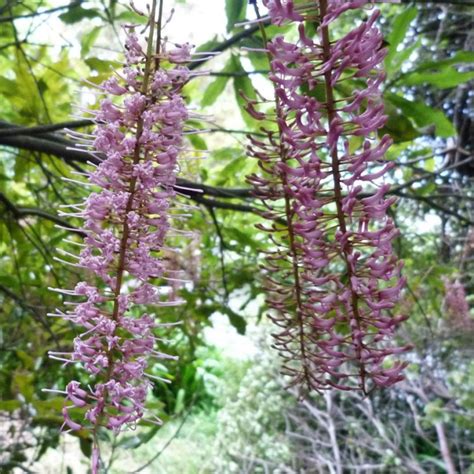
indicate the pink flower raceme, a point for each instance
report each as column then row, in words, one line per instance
column 457, row 306
column 334, row 277
column 137, row 141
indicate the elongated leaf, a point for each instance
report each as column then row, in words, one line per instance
column 398, row 125
column 394, row 67
column 131, row 17
column 22, row 383
column 236, row 320
column 235, row 11
column 423, row 115
column 77, row 13
column 214, row 90
column 461, row 57
column 208, row 45
column 86, row 446
column 243, row 87
column 398, row 32
column 89, row 39
column 444, row 79
column 102, row 65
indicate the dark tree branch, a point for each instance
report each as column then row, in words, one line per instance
column 435, row 205
column 238, row 73
column 222, row 247
column 19, row 212
column 229, row 43
column 12, row 130
column 43, row 145
column 9, row 130
column 61, row 147
column 224, row 205
column 430, row 175
column 239, row 132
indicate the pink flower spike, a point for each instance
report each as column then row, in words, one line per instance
column 333, row 268
column 139, row 138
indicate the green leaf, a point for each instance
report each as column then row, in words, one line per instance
column 8, row 281
column 435, row 412
column 198, row 142
column 28, row 361
column 179, row 403
column 45, row 407
column 243, row 87
column 446, row 78
column 400, row 58
column 10, row 405
column 235, row 320
column 460, row 57
column 136, row 440
column 440, row 73
column 77, row 13
column 398, row 32
column 243, row 238
column 433, row 460
column 86, row 446
column 208, row 45
column 8, row 87
column 232, row 168
column 42, row 86
column 22, row 165
column 423, row 115
column 101, row 65
column 129, row 442
column 259, row 61
column 318, row 91
column 398, row 126
column 23, row 383
column 88, row 40
column 130, row 16
column 235, row 10
column 214, row 90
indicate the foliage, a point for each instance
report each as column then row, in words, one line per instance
column 253, row 417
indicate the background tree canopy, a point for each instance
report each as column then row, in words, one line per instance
column 229, row 413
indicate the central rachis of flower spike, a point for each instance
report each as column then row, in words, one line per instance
column 137, row 140
column 333, row 276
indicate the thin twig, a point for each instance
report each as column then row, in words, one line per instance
column 170, row 440
column 222, row 247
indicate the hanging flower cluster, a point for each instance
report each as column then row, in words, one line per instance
column 137, row 141
column 457, row 305
column 333, row 277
